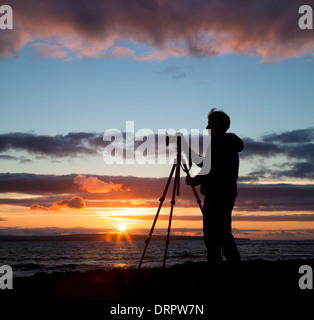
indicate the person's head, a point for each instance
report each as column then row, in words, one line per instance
column 218, row 122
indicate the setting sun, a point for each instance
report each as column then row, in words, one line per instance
column 122, row 227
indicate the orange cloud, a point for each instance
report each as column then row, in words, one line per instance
column 95, row 185
column 122, row 51
column 38, row 207
column 154, row 56
column 45, row 50
column 74, row 203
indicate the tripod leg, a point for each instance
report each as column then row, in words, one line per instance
column 162, row 199
column 175, row 189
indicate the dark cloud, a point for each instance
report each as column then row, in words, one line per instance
column 297, row 170
column 174, row 72
column 293, row 170
column 147, row 191
column 37, row 184
column 235, row 217
column 294, row 136
column 274, row 217
column 74, row 203
column 160, row 217
column 7, row 157
column 297, row 146
column 254, row 148
column 73, row 144
column 52, row 231
column 10, row 158
column 294, row 144
column 275, row 197
column 70, row 145
column 50, row 186
column 67, row 29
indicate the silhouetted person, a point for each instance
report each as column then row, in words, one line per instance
column 219, row 187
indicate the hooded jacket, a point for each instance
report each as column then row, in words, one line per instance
column 221, row 181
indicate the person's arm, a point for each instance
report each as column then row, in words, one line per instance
column 205, row 172
column 189, row 152
column 193, row 181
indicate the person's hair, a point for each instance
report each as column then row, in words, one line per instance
column 220, row 118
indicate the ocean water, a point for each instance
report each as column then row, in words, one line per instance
column 29, row 257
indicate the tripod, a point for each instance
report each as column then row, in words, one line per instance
column 176, row 190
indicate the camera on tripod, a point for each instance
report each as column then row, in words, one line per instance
column 183, row 155
column 173, row 138
column 175, row 171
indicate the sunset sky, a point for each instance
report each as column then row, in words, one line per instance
column 70, row 70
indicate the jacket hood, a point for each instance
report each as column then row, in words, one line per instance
column 235, row 143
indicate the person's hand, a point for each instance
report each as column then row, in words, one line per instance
column 189, row 181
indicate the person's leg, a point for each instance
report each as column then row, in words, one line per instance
column 228, row 245
column 229, row 248
column 211, row 233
